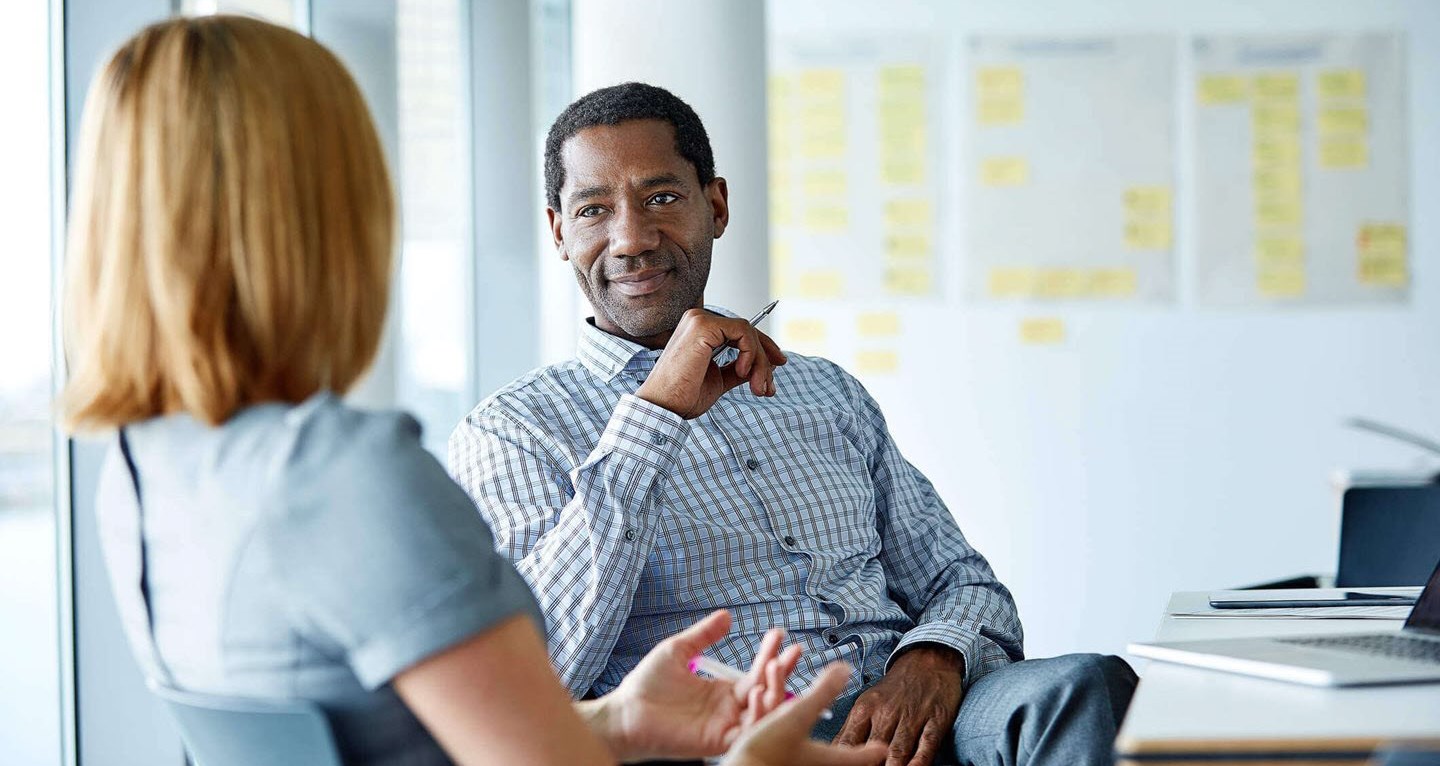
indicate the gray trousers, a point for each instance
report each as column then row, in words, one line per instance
column 1062, row 710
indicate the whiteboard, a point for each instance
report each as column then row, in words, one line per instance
column 1159, row 447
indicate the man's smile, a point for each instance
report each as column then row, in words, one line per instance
column 641, row 282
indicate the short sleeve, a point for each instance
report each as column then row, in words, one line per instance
column 375, row 548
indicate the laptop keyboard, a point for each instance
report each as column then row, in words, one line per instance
column 1395, row 647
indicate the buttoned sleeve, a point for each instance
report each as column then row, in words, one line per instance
column 579, row 535
column 933, row 573
column 375, row 550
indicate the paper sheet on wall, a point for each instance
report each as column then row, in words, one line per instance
column 854, row 153
column 1301, row 169
column 1069, row 173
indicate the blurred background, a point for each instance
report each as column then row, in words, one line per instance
column 1116, row 270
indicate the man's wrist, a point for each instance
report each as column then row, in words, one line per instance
column 931, row 656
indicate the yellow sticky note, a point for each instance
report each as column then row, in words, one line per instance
column 1218, row 89
column 1373, row 235
column 1000, row 111
column 909, row 138
column 779, row 87
column 1148, row 234
column 1281, row 283
column 1147, row 201
column 820, row 284
column 902, row 78
column 1343, row 120
column 806, row 332
column 1341, row 83
column 908, row 213
column 1044, row 331
column 1060, row 283
column 1276, row 150
column 1275, row 117
column 1013, row 282
column 1382, row 255
column 903, row 170
column 908, row 281
column 1000, row 82
column 1111, row 283
column 782, row 282
column 877, row 362
column 1276, row 183
column 907, row 247
column 1344, row 153
column 1278, row 212
column 1004, row 171
column 821, row 83
column 1284, row 252
column 878, row 324
column 1282, row 86
column 825, row 183
column 816, row 143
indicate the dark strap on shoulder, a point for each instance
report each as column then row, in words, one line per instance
column 144, row 558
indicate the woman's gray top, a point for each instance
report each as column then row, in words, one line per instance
column 306, row 551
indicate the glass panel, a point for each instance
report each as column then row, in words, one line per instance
column 29, row 596
column 433, row 377
column 278, row 11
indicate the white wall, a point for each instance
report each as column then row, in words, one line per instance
column 1158, row 448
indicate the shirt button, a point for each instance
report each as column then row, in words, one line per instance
column 658, row 440
column 790, row 541
column 752, row 463
column 832, row 639
column 630, row 534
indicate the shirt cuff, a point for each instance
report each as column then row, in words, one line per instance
column 981, row 655
column 644, row 431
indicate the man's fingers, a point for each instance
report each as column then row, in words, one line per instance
column 902, row 743
column 772, row 349
column 929, row 745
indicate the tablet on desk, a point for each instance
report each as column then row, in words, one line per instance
column 1289, row 599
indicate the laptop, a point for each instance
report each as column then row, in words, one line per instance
column 1411, row 655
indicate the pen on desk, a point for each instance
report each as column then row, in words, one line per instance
column 755, row 320
column 718, row 669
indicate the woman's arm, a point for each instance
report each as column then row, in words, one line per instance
column 494, row 699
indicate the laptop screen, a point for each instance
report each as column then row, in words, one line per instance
column 1426, row 614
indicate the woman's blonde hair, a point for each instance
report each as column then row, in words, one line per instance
column 231, row 229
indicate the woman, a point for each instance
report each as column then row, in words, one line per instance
column 229, row 265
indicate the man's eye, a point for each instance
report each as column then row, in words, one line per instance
column 589, row 211
column 664, row 198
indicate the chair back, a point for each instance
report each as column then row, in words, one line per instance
column 230, row 731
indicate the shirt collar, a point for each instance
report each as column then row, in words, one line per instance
column 607, row 355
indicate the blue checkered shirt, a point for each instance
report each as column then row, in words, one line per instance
column 797, row 511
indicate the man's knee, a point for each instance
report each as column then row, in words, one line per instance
column 1092, row 678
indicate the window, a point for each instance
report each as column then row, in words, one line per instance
column 29, row 593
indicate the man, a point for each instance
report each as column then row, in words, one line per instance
column 640, row 485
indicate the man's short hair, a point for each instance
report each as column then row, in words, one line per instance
column 622, row 103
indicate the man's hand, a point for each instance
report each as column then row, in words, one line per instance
column 662, row 710
column 912, row 708
column 688, row 384
column 783, row 739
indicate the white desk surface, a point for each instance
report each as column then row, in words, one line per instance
column 1179, row 709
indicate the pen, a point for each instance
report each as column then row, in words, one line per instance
column 718, row 669
column 755, row 320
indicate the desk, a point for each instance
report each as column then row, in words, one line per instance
column 1181, row 714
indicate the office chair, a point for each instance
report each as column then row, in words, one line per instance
column 227, row 731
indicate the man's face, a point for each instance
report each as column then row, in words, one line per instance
column 637, row 226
